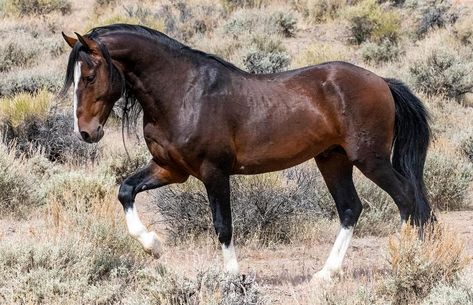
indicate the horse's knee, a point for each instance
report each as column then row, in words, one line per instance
column 350, row 216
column 125, row 194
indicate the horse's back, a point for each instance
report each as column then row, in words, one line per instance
column 298, row 114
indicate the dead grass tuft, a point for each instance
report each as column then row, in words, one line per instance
column 418, row 265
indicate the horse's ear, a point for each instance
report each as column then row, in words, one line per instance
column 88, row 43
column 70, row 40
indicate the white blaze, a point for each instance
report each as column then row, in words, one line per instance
column 335, row 258
column 77, row 73
column 229, row 258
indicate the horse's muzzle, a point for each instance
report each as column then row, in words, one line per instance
column 92, row 137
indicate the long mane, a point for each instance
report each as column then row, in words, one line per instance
column 129, row 106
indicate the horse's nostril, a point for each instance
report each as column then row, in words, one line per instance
column 85, row 135
column 99, row 128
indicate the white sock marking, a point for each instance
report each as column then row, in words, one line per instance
column 230, row 259
column 136, row 229
column 339, row 249
column 77, row 73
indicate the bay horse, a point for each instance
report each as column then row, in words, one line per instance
column 204, row 117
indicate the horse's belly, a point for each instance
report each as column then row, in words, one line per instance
column 269, row 158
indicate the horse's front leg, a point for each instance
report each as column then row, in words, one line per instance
column 150, row 177
column 218, row 191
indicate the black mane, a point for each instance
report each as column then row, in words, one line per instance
column 160, row 38
column 130, row 107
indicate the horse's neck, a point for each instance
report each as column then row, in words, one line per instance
column 156, row 74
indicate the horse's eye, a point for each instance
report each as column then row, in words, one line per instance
column 90, row 78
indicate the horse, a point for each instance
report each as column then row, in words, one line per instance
column 204, row 117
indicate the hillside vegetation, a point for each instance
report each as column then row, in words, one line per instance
column 69, row 242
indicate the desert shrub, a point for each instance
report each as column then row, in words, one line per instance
column 50, row 132
column 77, row 190
column 133, row 14
column 14, row 54
column 210, row 287
column 418, row 265
column 252, row 21
column 467, row 147
column 29, row 80
column 317, row 11
column 447, row 178
column 368, row 21
column 442, row 71
column 119, row 166
column 384, row 51
column 183, row 21
column 285, row 23
column 71, row 270
column 103, row 3
column 38, row 7
column 265, row 55
column 260, row 61
column 456, row 293
column 318, row 53
column 230, row 5
column 17, row 188
column 432, row 14
column 463, row 30
column 266, row 207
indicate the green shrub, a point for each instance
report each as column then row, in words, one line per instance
column 447, row 178
column 368, row 21
column 384, row 51
column 38, row 7
column 317, row 11
column 442, row 71
column 17, row 109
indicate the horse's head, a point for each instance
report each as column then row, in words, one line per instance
column 97, row 85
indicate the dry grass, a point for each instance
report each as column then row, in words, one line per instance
column 71, row 246
column 418, row 265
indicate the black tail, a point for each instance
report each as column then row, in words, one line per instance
column 411, row 140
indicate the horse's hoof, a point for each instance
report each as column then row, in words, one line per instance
column 232, row 268
column 325, row 277
column 152, row 245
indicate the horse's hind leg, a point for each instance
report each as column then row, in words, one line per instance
column 337, row 171
column 380, row 171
